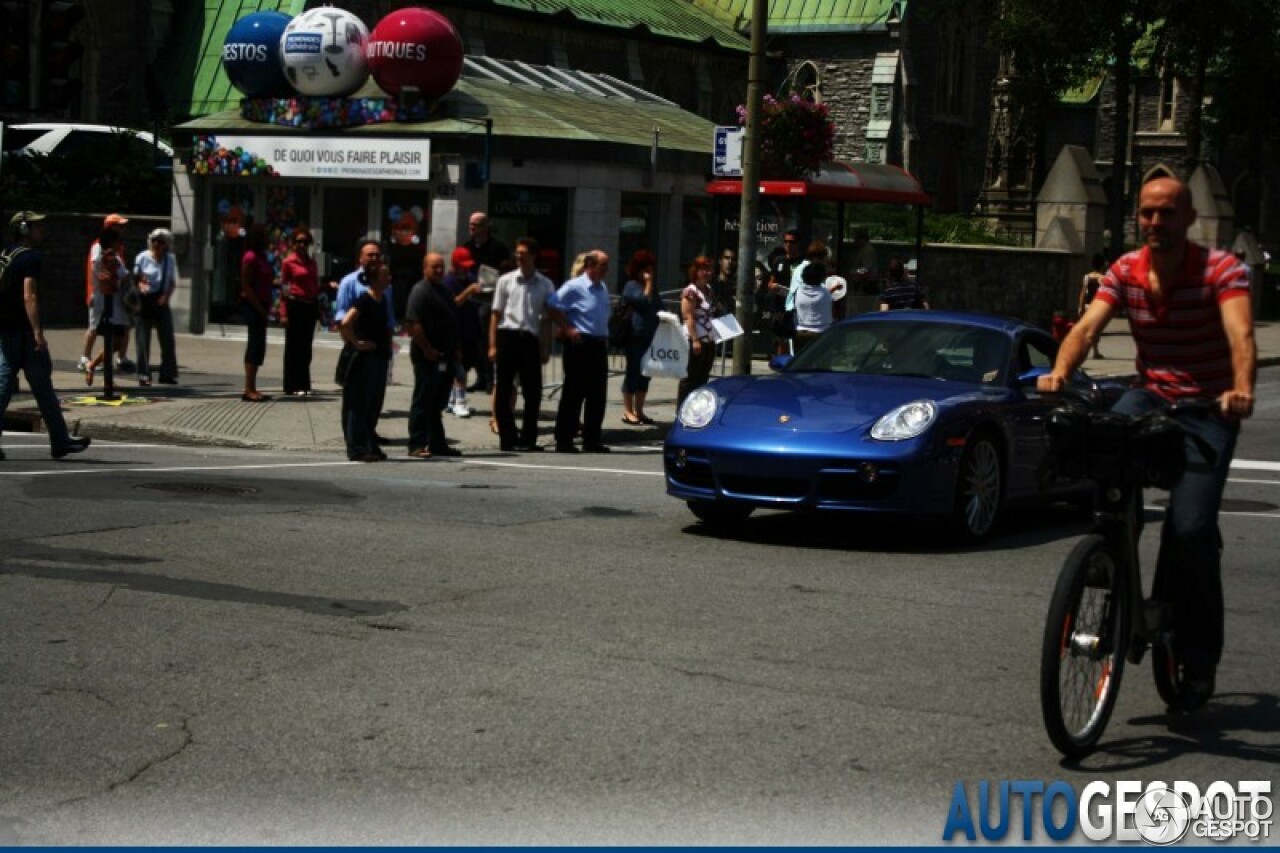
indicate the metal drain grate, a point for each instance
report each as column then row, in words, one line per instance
column 204, row 489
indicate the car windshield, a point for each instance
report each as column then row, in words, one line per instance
column 949, row 351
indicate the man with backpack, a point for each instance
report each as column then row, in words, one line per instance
column 22, row 342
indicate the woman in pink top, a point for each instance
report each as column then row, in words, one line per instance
column 300, row 289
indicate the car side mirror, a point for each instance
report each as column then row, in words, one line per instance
column 779, row 363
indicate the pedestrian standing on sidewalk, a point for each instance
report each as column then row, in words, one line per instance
column 256, row 278
column 641, row 297
column 697, row 307
column 110, row 278
column 364, row 328
column 121, row 342
column 354, row 284
column 516, row 330
column 157, row 278
column 461, row 281
column 300, row 286
column 581, row 309
column 487, row 251
column 432, row 320
column 22, row 342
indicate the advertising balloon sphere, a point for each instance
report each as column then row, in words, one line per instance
column 250, row 55
column 416, row 48
column 322, row 52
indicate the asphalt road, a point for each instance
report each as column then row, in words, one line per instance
column 218, row 646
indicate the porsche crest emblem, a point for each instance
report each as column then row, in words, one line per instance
column 782, row 419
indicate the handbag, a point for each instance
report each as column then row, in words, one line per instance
column 620, row 325
column 668, row 355
column 131, row 297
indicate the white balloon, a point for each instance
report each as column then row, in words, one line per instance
column 322, row 52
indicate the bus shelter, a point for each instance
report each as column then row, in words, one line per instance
column 864, row 212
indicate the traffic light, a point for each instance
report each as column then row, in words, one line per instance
column 15, row 57
column 60, row 52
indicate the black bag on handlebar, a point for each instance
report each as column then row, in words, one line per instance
column 1086, row 444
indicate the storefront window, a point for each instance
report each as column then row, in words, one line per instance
column 346, row 221
column 229, row 222
column 638, row 230
column 287, row 208
column 536, row 212
column 405, row 225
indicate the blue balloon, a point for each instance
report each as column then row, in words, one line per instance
column 250, row 55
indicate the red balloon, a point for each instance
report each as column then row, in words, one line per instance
column 415, row 47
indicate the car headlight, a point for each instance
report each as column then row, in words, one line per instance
column 905, row 421
column 699, row 408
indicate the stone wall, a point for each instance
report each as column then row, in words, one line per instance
column 67, row 237
column 1029, row 284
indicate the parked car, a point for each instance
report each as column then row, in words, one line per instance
column 51, row 138
column 923, row 413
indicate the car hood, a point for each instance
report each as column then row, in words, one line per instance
column 826, row 402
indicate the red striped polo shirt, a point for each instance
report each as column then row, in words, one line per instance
column 1182, row 347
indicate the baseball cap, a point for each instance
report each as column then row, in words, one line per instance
column 113, row 219
column 462, row 258
column 25, row 216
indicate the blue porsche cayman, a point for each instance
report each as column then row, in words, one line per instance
column 922, row 413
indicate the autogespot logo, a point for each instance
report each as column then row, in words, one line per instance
column 1162, row 816
column 1154, row 812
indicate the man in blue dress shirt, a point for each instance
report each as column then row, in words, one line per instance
column 581, row 309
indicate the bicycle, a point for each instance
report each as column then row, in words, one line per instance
column 1097, row 615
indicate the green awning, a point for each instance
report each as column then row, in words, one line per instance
column 520, row 112
column 811, row 16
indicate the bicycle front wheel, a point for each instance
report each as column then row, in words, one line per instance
column 1086, row 635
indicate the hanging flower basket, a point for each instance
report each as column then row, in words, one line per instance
column 796, row 137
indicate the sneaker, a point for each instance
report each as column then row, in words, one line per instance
column 460, row 410
column 75, row 445
column 83, row 364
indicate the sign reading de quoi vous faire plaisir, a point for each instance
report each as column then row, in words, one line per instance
column 340, row 158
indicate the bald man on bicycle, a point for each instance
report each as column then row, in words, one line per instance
column 1191, row 317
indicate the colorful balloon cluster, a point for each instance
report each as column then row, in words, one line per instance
column 330, row 112
column 325, row 54
column 209, row 158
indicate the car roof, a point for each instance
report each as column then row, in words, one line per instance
column 49, row 126
column 1007, row 325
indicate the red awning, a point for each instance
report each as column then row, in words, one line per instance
column 838, row 181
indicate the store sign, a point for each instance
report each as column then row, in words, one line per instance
column 727, row 162
column 337, row 157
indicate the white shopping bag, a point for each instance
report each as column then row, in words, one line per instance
column 725, row 328
column 669, row 353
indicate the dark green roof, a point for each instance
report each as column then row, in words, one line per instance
column 521, row 112
column 198, row 84
column 685, row 20
column 798, row 16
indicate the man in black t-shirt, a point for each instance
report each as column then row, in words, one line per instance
column 432, row 320
column 488, row 251
column 779, row 286
column 22, row 343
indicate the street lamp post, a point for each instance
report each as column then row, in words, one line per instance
column 750, row 206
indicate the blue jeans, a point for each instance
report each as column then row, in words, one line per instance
column 1189, row 568
column 159, row 318
column 18, row 352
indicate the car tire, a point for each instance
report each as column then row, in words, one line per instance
column 718, row 514
column 979, row 490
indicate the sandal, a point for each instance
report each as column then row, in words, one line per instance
column 632, row 420
column 88, row 375
column 493, row 425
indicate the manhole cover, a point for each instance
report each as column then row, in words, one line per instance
column 215, row 489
